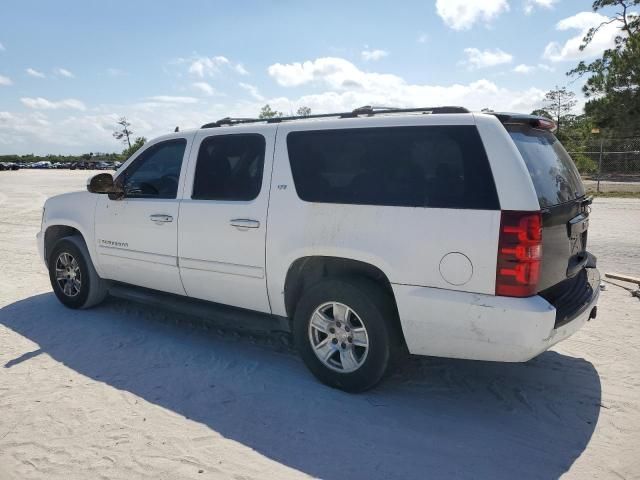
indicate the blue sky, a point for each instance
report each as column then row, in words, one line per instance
column 69, row 69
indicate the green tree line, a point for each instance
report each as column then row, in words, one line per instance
column 612, row 89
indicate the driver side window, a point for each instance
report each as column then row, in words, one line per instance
column 155, row 173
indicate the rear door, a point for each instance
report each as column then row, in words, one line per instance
column 561, row 194
column 223, row 217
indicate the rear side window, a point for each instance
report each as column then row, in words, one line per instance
column 554, row 175
column 433, row 166
column 229, row 167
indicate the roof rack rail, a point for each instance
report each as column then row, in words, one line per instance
column 229, row 121
column 365, row 110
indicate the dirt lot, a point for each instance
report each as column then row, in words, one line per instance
column 606, row 186
column 125, row 392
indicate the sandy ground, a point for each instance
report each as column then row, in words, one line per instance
column 613, row 186
column 127, row 392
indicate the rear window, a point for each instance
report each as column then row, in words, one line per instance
column 555, row 176
column 434, row 166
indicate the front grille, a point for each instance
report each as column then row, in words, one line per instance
column 572, row 296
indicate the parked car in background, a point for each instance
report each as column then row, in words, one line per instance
column 45, row 164
column 103, row 166
column 10, row 166
column 434, row 231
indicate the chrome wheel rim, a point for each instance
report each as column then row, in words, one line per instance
column 68, row 274
column 338, row 337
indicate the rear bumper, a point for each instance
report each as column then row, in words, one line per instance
column 445, row 323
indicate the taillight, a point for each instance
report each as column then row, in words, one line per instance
column 519, row 254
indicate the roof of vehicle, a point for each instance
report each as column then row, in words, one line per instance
column 370, row 112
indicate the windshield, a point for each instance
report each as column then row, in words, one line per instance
column 555, row 176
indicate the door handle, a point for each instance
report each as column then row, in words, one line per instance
column 244, row 223
column 161, row 218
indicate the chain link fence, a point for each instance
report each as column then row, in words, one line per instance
column 615, row 159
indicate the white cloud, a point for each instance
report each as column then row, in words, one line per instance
column 22, row 128
column 239, row 68
column 202, row 67
column 205, row 66
column 40, row 103
column 35, row 132
column 583, row 21
column 531, row 5
column 34, row 73
column 462, row 14
column 203, row 87
column 173, row 99
column 546, row 68
column 63, row 72
column 522, row 68
column 335, row 72
column 349, row 87
column 486, row 58
column 423, row 38
column 253, row 90
column 2, row 48
column 5, row 81
column 526, row 69
column 374, row 55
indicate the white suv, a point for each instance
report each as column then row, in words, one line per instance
column 366, row 234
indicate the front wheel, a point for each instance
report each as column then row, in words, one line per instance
column 345, row 331
column 73, row 278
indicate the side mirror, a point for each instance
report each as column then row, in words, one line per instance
column 103, row 183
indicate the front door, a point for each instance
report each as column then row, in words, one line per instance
column 137, row 236
column 223, row 216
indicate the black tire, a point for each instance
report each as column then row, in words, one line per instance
column 92, row 290
column 377, row 313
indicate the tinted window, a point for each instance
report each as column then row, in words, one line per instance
column 155, row 173
column 436, row 166
column 555, row 176
column 229, row 168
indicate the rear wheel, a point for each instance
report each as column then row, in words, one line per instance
column 73, row 278
column 345, row 331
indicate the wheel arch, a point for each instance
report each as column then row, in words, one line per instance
column 307, row 271
column 55, row 232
